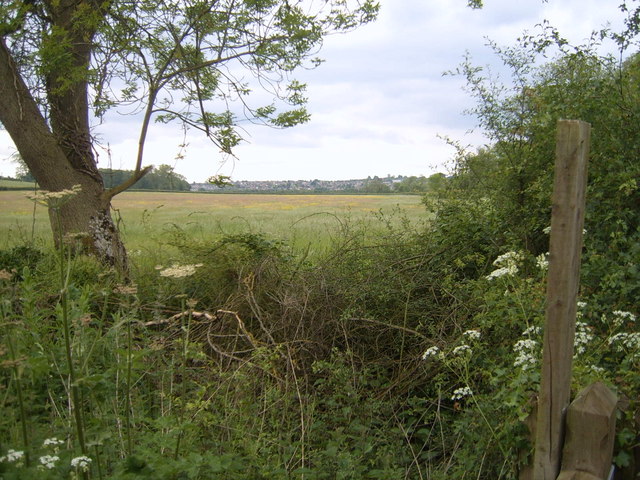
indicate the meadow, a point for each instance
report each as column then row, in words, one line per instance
column 302, row 221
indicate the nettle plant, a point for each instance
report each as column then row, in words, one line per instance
column 491, row 371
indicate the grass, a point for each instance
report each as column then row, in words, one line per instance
column 303, row 221
column 6, row 184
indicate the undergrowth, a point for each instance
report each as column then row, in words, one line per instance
column 388, row 358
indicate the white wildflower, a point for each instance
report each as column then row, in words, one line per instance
column 596, row 369
column 582, row 305
column 532, row 330
column 180, row 271
column 12, row 456
column 430, row 352
column 620, row 317
column 542, row 261
column 526, row 357
column 460, row 393
column 49, row 461
column 500, row 272
column 526, row 344
column 472, row 334
column 54, row 199
column 81, row 463
column 622, row 341
column 582, row 338
column 52, row 442
column 462, row 350
column 507, row 264
column 618, row 338
column 508, row 258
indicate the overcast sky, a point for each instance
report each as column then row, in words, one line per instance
column 379, row 103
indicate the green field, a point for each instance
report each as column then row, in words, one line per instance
column 6, row 184
column 300, row 220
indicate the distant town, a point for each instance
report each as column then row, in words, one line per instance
column 388, row 184
column 165, row 178
column 287, row 185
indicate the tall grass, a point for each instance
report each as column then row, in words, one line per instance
column 303, row 221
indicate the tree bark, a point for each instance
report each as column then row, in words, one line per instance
column 60, row 157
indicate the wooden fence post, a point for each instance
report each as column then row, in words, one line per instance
column 565, row 246
column 591, row 431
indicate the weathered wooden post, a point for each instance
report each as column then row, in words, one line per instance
column 565, row 246
column 591, row 430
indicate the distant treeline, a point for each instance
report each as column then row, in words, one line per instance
column 403, row 184
column 160, row 178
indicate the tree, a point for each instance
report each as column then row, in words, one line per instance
column 63, row 61
column 436, row 182
column 161, row 178
column 512, row 177
column 375, row 185
column 22, row 171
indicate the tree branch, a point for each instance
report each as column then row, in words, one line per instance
column 107, row 195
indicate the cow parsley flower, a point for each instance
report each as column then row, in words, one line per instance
column 542, row 261
column 49, row 461
column 179, row 271
column 507, row 264
column 12, row 456
column 623, row 340
column 430, row 352
column 620, row 317
column 53, row 441
column 532, row 330
column 526, row 357
column 462, row 350
column 81, row 463
column 460, row 393
column 582, row 338
column 472, row 334
column 54, row 199
column 500, row 272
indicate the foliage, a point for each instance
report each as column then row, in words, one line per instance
column 375, row 185
column 433, row 184
column 17, row 258
column 22, row 171
column 175, row 61
column 162, row 177
column 498, row 199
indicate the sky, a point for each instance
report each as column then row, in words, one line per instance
column 380, row 104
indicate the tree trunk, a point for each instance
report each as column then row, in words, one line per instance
column 60, row 157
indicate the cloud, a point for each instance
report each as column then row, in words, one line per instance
column 378, row 103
